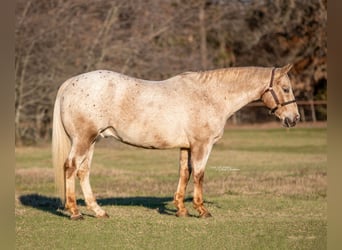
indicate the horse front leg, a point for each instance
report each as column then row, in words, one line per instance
column 198, row 195
column 199, row 157
column 184, row 176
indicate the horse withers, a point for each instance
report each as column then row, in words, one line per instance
column 188, row 111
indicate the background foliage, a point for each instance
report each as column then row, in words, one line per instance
column 56, row 39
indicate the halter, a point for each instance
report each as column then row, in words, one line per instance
column 270, row 89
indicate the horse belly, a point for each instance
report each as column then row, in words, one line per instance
column 152, row 135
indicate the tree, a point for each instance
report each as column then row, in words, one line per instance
column 56, row 39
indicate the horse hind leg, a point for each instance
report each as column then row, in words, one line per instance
column 78, row 164
column 70, row 168
column 83, row 175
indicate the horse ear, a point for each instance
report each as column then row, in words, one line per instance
column 284, row 70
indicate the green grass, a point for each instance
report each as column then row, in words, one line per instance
column 266, row 189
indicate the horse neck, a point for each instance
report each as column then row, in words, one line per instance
column 238, row 86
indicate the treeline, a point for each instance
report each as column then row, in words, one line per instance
column 151, row 39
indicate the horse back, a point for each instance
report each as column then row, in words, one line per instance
column 143, row 113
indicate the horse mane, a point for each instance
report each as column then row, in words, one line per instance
column 233, row 74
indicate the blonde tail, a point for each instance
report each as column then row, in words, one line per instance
column 60, row 149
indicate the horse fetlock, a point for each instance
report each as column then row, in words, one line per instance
column 178, row 199
column 197, row 202
column 203, row 212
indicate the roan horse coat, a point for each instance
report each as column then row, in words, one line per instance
column 187, row 111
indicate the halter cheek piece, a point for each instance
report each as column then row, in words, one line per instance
column 270, row 89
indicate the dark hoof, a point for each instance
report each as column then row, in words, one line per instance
column 105, row 215
column 205, row 215
column 76, row 217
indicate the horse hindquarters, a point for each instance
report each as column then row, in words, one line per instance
column 73, row 160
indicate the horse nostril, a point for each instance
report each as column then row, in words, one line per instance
column 296, row 118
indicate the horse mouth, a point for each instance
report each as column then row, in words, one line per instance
column 288, row 123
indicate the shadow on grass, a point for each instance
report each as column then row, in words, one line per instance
column 156, row 203
column 43, row 203
column 53, row 205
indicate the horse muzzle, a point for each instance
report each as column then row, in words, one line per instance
column 291, row 122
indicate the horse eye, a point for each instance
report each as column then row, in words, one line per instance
column 286, row 90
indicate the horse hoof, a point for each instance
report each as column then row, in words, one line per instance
column 205, row 215
column 182, row 214
column 76, row 217
column 105, row 215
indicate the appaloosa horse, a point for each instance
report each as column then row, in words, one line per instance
column 188, row 111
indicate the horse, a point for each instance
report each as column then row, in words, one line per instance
column 187, row 111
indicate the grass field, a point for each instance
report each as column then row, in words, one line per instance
column 266, row 189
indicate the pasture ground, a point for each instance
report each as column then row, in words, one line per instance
column 266, row 189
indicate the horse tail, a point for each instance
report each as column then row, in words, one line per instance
column 60, row 149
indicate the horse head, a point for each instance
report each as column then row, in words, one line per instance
column 279, row 97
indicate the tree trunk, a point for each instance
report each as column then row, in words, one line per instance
column 203, row 36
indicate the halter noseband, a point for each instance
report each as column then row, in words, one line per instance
column 270, row 89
